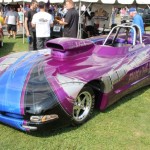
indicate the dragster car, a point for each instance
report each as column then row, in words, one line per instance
column 63, row 83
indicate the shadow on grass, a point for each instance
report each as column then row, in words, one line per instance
column 18, row 36
column 13, row 45
column 52, row 132
column 68, row 128
column 7, row 48
column 58, row 131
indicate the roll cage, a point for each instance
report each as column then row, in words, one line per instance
column 125, row 29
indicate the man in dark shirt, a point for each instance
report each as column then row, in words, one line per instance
column 70, row 20
column 30, row 31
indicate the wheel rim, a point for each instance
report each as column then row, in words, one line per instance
column 82, row 106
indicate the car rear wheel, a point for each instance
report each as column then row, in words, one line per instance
column 83, row 106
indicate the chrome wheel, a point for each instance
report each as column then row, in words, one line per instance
column 83, row 105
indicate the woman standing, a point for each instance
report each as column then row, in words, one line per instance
column 20, row 13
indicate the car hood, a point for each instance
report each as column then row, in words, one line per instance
column 17, row 69
column 14, row 72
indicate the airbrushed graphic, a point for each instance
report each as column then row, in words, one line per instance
column 62, row 84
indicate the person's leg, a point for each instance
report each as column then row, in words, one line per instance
column 18, row 27
column 40, row 43
column 8, row 30
column 45, row 40
column 32, row 42
column 90, row 31
column 14, row 29
column 21, row 25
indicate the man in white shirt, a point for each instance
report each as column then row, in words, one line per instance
column 12, row 19
column 42, row 21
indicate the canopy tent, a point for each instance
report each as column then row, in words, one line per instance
column 125, row 1
column 6, row 1
column 89, row 1
column 80, row 1
column 142, row 2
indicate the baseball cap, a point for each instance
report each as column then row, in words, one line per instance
column 132, row 9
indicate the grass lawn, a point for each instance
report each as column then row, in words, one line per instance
column 123, row 126
column 13, row 45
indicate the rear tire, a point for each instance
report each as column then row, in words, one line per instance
column 83, row 106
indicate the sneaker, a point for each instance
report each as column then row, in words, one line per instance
column 9, row 36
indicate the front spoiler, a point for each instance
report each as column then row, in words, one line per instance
column 14, row 122
column 22, row 124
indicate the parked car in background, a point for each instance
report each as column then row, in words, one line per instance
column 146, row 16
column 145, row 13
column 140, row 11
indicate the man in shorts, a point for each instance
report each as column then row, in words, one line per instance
column 12, row 19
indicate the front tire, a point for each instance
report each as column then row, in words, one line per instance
column 83, row 106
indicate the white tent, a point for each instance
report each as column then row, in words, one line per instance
column 142, row 2
column 6, row 1
column 95, row 1
column 80, row 1
column 125, row 1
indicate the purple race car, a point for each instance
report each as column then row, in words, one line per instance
column 63, row 83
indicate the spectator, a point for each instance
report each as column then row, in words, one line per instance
column 113, row 15
column 21, row 8
column 12, row 19
column 27, row 7
column 70, row 20
column 89, row 23
column 20, row 13
column 1, row 12
column 1, row 22
column 42, row 21
column 137, row 19
column 30, row 31
column 122, row 12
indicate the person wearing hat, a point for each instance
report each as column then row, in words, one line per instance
column 137, row 19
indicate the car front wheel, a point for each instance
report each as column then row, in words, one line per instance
column 83, row 106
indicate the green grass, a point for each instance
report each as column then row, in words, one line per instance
column 123, row 126
column 13, row 45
